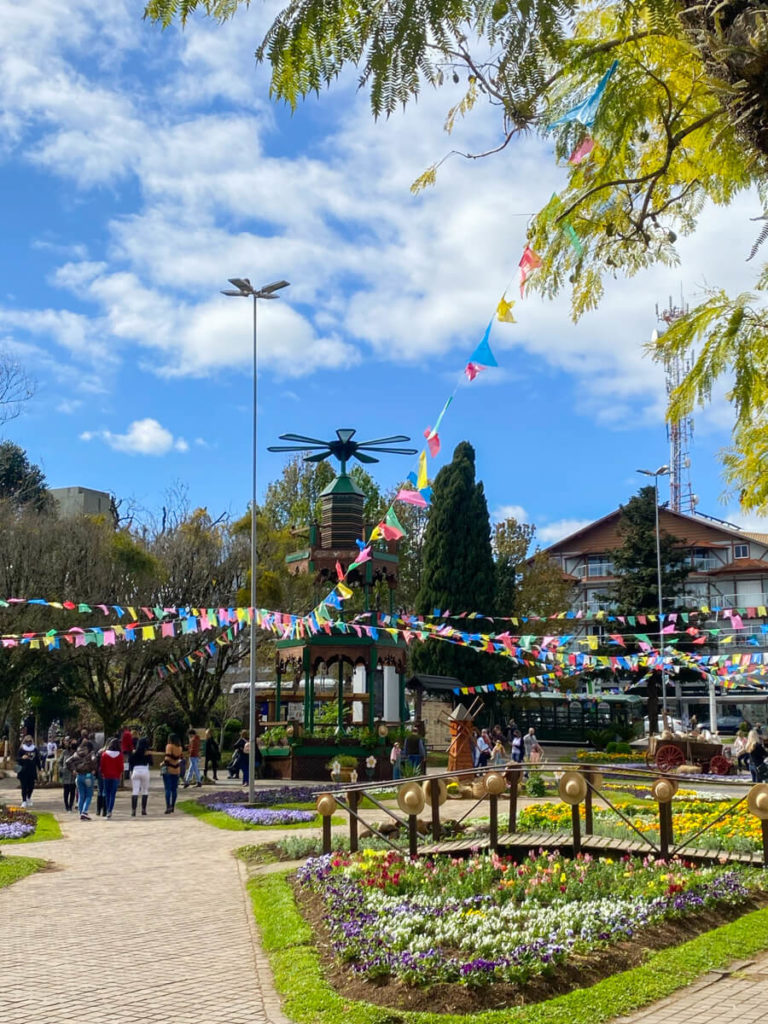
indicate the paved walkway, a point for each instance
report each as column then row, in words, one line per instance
column 145, row 917
column 737, row 994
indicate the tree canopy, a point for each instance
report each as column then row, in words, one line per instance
column 683, row 121
column 458, row 572
column 635, row 563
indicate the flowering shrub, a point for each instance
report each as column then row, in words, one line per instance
column 738, row 830
column 265, row 816
column 601, row 757
column 490, row 919
column 15, row 823
column 263, row 797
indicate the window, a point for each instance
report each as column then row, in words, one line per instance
column 741, row 550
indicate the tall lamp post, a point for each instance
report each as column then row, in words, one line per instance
column 245, row 290
column 661, row 471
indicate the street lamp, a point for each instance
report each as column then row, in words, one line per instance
column 245, row 290
column 661, row 471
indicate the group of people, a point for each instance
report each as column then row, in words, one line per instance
column 497, row 748
column 750, row 752
column 83, row 769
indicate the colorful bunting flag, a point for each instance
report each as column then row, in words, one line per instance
column 504, row 310
column 586, row 111
column 433, row 441
column 582, row 151
column 412, row 498
column 422, row 480
column 529, row 262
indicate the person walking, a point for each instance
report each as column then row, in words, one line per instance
column 83, row 763
column 100, row 800
column 212, row 755
column 757, row 756
column 111, row 771
column 126, row 748
column 498, row 754
column 529, row 742
column 483, row 747
column 29, row 761
column 518, row 750
column 140, row 761
column 234, row 764
column 171, row 762
column 193, row 771
column 67, row 776
column 395, row 759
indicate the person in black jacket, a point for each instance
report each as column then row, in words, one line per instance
column 139, row 763
column 29, row 762
column 235, row 763
column 212, row 754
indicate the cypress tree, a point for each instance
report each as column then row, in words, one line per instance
column 458, row 572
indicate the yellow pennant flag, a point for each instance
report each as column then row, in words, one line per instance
column 343, row 590
column 147, row 632
column 504, row 310
column 422, row 480
column 376, row 534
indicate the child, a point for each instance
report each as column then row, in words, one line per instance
column 498, row 754
column 395, row 760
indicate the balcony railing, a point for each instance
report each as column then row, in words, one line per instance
column 736, row 600
column 594, row 569
column 705, row 564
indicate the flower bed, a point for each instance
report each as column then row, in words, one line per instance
column 600, row 757
column 16, row 823
column 263, row 797
column 739, row 830
column 489, row 919
column 265, row 817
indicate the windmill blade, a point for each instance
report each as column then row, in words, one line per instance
column 395, row 439
column 293, row 447
column 367, row 459
column 302, row 437
column 320, row 457
column 392, row 451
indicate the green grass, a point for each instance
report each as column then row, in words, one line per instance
column 47, row 828
column 221, row 820
column 13, row 869
column 309, row 999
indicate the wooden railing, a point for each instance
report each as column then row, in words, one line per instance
column 575, row 786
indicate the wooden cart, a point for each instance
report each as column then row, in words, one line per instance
column 669, row 754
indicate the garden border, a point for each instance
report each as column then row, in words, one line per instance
column 51, row 831
column 308, row 998
column 220, row 819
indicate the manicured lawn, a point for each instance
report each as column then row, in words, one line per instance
column 221, row 820
column 309, row 999
column 13, row 869
column 47, row 828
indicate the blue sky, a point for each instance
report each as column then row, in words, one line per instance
column 140, row 169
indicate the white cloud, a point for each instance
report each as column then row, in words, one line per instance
column 143, row 437
column 502, row 512
column 551, row 533
column 374, row 269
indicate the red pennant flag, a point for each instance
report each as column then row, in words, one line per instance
column 529, row 261
column 433, row 442
column 339, row 572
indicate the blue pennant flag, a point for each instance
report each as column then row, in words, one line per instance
column 482, row 354
column 586, row 111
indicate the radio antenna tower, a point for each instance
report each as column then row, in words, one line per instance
column 679, row 433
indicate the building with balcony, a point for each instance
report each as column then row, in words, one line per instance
column 729, row 566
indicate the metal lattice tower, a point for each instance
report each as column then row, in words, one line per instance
column 679, row 433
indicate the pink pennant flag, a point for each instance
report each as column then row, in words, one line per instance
column 433, row 441
column 166, row 629
column 472, row 369
column 529, row 261
column 389, row 532
column 412, row 498
column 736, row 621
column 583, row 150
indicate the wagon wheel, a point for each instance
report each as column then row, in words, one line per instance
column 669, row 757
column 720, row 765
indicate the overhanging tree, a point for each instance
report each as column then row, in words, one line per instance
column 684, row 120
column 458, row 572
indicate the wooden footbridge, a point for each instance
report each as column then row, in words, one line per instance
column 498, row 789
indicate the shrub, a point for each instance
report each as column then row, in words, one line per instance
column 535, row 785
column 160, row 736
column 618, row 748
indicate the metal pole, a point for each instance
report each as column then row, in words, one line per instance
column 661, row 601
column 252, row 673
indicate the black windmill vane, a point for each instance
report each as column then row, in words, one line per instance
column 342, row 502
column 344, row 448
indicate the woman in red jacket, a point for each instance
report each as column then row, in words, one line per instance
column 111, row 768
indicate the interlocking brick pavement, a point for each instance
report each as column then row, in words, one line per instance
column 737, row 994
column 145, row 919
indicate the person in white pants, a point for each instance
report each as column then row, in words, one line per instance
column 139, row 762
